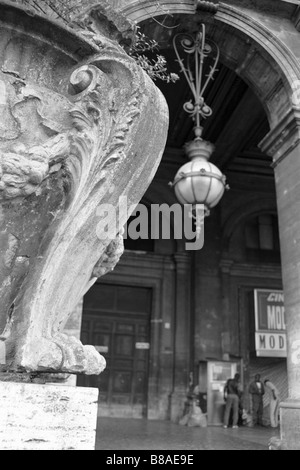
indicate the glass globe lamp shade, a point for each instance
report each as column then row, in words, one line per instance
column 199, row 181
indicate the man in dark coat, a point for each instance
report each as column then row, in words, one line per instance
column 232, row 398
column 257, row 390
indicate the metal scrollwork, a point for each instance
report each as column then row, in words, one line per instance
column 197, row 49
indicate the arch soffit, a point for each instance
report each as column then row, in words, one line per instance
column 278, row 87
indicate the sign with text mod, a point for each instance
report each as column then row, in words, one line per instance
column 270, row 327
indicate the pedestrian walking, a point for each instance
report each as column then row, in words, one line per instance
column 257, row 391
column 231, row 397
column 274, row 402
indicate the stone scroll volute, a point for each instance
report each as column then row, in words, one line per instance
column 66, row 150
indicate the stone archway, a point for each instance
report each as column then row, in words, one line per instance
column 251, row 42
column 263, row 49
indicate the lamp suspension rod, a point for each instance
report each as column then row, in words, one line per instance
column 197, row 47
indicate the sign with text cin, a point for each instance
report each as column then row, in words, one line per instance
column 270, row 327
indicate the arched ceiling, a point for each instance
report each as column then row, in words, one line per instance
column 237, row 125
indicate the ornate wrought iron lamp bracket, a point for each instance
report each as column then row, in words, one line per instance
column 198, row 48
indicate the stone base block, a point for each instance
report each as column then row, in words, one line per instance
column 290, row 425
column 47, row 417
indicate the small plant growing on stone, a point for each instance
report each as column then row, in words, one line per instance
column 156, row 66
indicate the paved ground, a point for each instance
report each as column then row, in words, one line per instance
column 140, row 434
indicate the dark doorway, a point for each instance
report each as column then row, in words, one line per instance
column 116, row 320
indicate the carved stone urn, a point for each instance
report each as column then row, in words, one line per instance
column 81, row 126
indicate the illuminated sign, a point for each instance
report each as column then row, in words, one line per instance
column 270, row 327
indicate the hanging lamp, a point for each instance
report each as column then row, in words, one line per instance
column 198, row 182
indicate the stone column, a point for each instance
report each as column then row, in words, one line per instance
column 183, row 340
column 283, row 143
column 82, row 128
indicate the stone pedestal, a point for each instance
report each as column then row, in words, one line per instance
column 47, row 417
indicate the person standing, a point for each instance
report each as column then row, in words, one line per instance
column 231, row 397
column 257, row 391
column 237, row 377
column 274, row 402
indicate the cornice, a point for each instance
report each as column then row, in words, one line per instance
column 251, row 270
column 152, row 261
column 281, row 140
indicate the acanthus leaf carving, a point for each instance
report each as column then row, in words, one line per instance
column 105, row 147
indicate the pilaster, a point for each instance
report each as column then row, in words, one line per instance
column 283, row 143
column 183, row 340
column 225, row 266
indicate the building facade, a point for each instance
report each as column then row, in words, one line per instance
column 167, row 318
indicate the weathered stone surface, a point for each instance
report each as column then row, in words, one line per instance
column 73, row 136
column 104, row 18
column 47, row 417
column 290, row 425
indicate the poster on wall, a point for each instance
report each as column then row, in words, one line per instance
column 270, row 327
